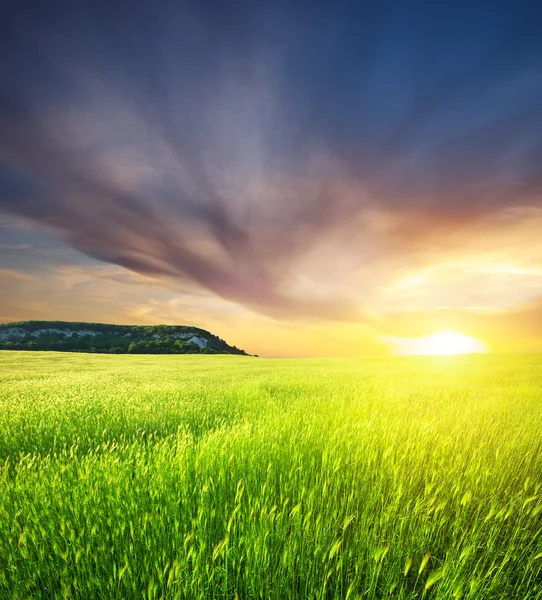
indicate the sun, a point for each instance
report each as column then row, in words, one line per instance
column 437, row 344
column 451, row 342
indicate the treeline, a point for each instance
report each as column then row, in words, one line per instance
column 103, row 343
column 110, row 339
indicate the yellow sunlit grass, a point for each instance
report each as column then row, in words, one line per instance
column 225, row 476
column 437, row 344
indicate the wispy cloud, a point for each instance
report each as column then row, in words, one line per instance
column 301, row 167
column 6, row 274
column 15, row 247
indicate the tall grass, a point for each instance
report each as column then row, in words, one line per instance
column 229, row 477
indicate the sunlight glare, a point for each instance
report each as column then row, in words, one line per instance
column 437, row 344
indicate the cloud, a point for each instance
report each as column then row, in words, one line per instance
column 6, row 274
column 276, row 160
column 15, row 247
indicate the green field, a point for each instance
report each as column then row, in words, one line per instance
column 235, row 477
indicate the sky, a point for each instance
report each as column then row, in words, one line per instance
column 300, row 178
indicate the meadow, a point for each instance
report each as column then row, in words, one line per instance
column 169, row 477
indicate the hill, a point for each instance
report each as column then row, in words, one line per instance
column 111, row 339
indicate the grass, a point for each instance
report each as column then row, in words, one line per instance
column 233, row 477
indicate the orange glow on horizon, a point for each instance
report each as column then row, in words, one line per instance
column 437, row 344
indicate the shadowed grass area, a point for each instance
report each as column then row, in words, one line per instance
column 224, row 477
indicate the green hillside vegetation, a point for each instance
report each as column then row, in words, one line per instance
column 113, row 339
column 207, row 477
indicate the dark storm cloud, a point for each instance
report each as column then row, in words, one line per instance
column 335, row 108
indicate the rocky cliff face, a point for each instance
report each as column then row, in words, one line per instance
column 19, row 332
